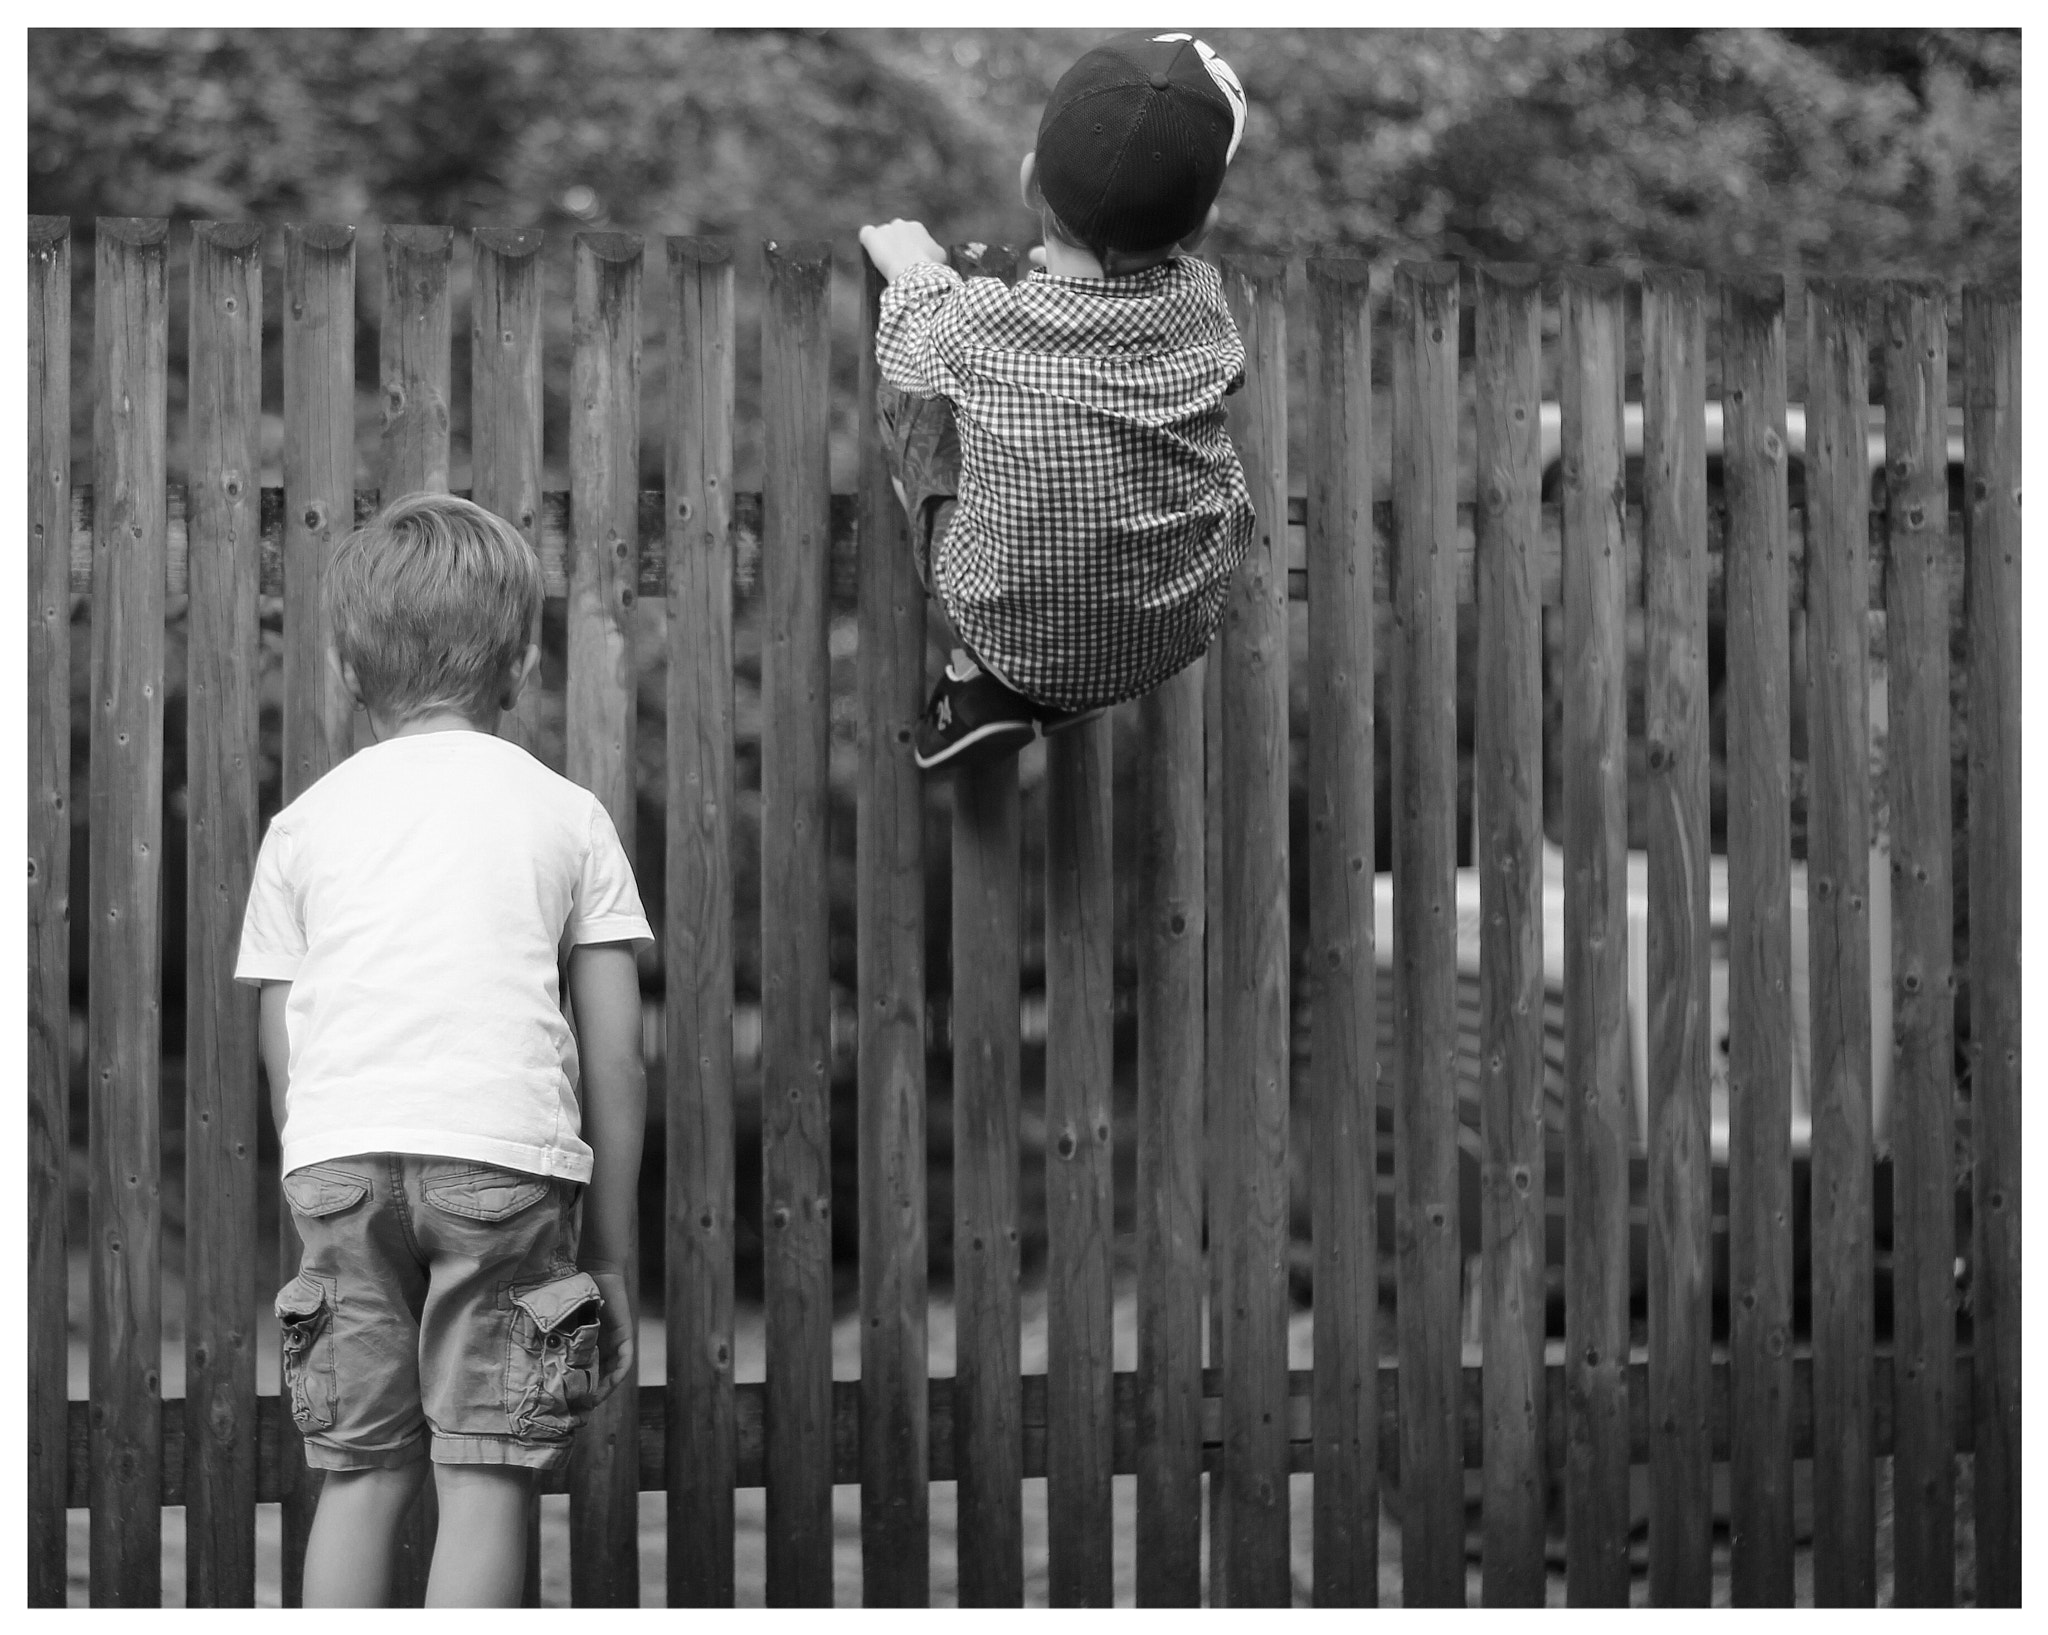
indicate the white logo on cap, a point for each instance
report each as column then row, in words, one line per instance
column 1226, row 82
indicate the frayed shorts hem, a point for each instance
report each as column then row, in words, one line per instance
column 323, row 1456
column 500, row 1450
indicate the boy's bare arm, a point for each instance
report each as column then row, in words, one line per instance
column 273, row 1045
column 604, row 989
column 900, row 244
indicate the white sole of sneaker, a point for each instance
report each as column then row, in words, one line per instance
column 1022, row 731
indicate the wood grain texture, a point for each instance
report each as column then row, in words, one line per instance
column 1838, row 938
column 1681, row 1269
column 1991, row 436
column 131, row 325
column 1508, row 769
column 1252, row 1084
column 1079, row 989
column 1344, row 1067
column 987, row 1420
column 221, row 1092
column 1759, row 942
column 1924, row 1155
column 889, row 914
column 750, row 1400
column 1595, row 928
column 412, row 362
column 796, row 1059
column 1424, row 773
column 504, row 421
column 1170, row 925
column 604, row 459
column 698, row 1464
column 317, row 509
column 49, row 890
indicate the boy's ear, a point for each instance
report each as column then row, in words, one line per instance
column 1193, row 240
column 1027, row 181
column 347, row 674
column 515, row 682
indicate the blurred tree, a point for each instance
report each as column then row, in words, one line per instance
column 1883, row 150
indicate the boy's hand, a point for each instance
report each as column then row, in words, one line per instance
column 898, row 245
column 615, row 1333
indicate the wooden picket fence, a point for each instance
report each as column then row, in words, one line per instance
column 1213, row 997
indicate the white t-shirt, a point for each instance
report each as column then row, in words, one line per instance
column 418, row 899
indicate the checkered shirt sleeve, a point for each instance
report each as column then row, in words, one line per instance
column 1102, row 509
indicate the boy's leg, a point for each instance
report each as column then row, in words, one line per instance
column 480, row 1551
column 349, row 1550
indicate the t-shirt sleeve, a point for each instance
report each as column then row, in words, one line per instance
column 607, row 903
column 273, row 932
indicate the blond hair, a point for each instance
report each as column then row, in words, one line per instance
column 433, row 602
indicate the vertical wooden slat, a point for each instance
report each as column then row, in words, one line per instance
column 604, row 561
column 131, row 325
column 1991, row 443
column 412, row 361
column 412, row 352
column 702, row 1449
column 1681, row 1272
column 1923, row 947
column 49, row 887
column 1759, row 943
column 1168, row 1207
column 504, row 417
column 1343, row 1057
column 1425, row 372
column 1079, row 983
column 1217, row 1224
column 220, row 802
column 1253, row 1076
column 988, row 1400
column 1595, row 927
column 895, row 1442
column 988, row 1411
column 319, row 322
column 1508, row 778
column 796, row 1059
column 1837, row 903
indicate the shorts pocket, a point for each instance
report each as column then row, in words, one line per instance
column 305, row 1315
column 316, row 1191
column 485, row 1193
column 551, row 1363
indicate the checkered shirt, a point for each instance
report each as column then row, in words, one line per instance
column 1102, row 509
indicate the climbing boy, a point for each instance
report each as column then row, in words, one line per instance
column 1075, row 504
column 439, row 1113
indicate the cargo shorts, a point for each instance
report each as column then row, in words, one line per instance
column 438, row 1309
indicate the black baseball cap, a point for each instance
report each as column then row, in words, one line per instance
column 1135, row 139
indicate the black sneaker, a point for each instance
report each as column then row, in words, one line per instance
column 972, row 720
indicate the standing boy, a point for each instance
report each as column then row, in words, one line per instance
column 1075, row 503
column 438, row 1113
